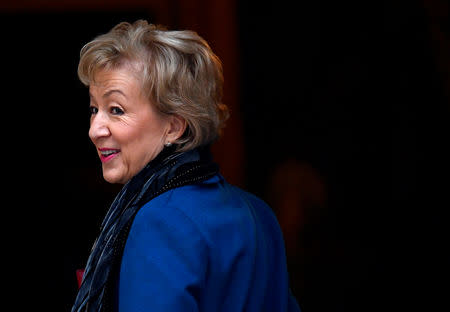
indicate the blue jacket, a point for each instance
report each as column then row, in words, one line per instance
column 205, row 247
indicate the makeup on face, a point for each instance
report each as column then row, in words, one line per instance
column 126, row 129
column 106, row 154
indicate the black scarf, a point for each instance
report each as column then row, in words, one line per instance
column 167, row 171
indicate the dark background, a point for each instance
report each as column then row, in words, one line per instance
column 345, row 122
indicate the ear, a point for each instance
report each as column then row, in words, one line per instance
column 177, row 126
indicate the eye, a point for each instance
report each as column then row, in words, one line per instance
column 116, row 110
column 93, row 110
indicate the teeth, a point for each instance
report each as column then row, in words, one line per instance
column 108, row 152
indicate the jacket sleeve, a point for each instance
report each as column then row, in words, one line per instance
column 164, row 261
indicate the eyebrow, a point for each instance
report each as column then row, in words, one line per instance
column 109, row 92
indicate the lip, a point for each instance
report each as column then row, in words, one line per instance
column 105, row 159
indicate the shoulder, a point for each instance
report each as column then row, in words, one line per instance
column 211, row 205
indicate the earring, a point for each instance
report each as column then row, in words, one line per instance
column 168, row 144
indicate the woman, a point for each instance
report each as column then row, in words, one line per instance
column 177, row 237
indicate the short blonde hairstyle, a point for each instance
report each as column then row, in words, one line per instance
column 179, row 72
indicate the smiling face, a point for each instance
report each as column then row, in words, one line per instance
column 125, row 128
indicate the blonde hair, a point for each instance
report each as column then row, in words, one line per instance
column 179, row 72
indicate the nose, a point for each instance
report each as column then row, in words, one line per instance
column 99, row 127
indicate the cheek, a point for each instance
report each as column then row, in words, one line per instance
column 140, row 136
column 141, row 142
column 150, row 139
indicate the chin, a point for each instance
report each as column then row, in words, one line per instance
column 112, row 178
column 109, row 179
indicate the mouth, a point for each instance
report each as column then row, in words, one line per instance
column 106, row 154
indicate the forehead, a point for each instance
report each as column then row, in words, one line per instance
column 126, row 77
column 121, row 84
column 107, row 77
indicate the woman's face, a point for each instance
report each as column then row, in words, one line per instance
column 125, row 128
